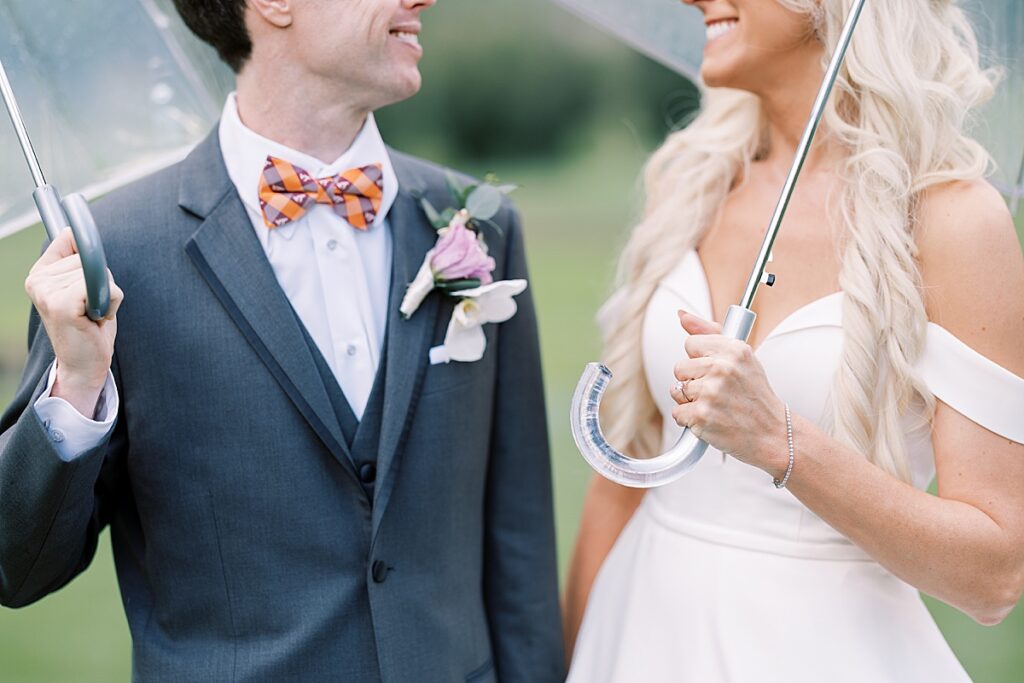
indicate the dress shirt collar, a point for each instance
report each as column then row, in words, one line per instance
column 245, row 153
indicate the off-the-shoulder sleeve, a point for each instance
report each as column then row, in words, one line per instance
column 974, row 386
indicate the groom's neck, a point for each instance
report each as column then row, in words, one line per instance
column 299, row 110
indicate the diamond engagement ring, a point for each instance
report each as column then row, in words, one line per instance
column 681, row 388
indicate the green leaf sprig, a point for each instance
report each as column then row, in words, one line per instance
column 481, row 200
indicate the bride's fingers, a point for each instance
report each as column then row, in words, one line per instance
column 704, row 345
column 692, row 368
column 696, row 325
column 686, row 391
column 691, row 415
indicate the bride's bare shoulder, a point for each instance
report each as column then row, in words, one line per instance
column 972, row 268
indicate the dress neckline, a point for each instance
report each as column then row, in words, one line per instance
column 795, row 319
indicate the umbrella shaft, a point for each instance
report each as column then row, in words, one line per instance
column 19, row 127
column 801, row 155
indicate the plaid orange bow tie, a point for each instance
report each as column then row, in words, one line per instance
column 286, row 190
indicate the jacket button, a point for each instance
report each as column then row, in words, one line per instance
column 379, row 571
column 368, row 473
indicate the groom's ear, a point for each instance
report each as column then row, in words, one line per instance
column 278, row 13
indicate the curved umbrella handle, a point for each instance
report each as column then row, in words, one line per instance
column 94, row 259
column 73, row 211
column 620, row 468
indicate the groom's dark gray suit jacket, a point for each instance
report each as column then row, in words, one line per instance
column 251, row 543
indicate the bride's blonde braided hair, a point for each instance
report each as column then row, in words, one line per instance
column 900, row 108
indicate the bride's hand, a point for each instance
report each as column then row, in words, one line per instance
column 726, row 399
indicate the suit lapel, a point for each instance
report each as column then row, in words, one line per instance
column 408, row 341
column 229, row 257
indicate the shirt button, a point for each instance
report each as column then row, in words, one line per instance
column 379, row 572
column 368, row 472
column 332, row 245
column 57, row 435
column 351, row 349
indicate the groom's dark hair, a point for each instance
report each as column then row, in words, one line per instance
column 221, row 24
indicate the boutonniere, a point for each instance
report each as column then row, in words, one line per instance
column 460, row 267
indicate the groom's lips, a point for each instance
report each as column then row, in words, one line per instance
column 408, row 34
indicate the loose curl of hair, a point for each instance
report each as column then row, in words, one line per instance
column 899, row 110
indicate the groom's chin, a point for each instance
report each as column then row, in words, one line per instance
column 403, row 85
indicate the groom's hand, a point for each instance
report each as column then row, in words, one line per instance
column 84, row 348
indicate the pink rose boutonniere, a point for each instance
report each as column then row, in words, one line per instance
column 459, row 266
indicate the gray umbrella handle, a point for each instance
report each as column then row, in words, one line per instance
column 620, row 468
column 94, row 259
column 74, row 211
column 58, row 214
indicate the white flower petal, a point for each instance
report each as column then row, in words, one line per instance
column 511, row 287
column 495, row 300
column 419, row 289
column 497, row 309
column 465, row 344
column 465, row 340
column 468, row 314
column 439, row 355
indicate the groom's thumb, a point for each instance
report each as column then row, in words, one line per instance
column 695, row 325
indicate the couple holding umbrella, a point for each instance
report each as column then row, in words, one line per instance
column 307, row 481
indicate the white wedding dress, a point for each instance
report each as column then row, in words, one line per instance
column 722, row 577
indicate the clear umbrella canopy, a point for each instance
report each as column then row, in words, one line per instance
column 1000, row 28
column 110, row 91
column 674, row 35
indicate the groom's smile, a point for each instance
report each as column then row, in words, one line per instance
column 409, row 34
column 367, row 50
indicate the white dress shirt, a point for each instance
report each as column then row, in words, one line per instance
column 336, row 277
column 71, row 432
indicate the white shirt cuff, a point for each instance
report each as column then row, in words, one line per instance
column 71, row 432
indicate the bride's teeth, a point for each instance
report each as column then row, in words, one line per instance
column 720, row 28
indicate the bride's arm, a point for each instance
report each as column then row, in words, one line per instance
column 964, row 546
column 606, row 510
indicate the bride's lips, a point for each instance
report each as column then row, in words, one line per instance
column 719, row 28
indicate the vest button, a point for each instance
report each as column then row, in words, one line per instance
column 379, row 571
column 368, row 473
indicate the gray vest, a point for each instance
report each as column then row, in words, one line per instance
column 361, row 436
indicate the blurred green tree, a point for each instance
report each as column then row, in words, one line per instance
column 537, row 84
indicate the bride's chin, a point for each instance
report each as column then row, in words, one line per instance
column 714, row 80
column 714, row 76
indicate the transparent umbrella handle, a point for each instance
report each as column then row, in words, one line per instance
column 620, row 468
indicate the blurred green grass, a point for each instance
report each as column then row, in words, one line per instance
column 577, row 213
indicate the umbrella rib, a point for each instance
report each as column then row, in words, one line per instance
column 636, row 43
column 160, row 22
